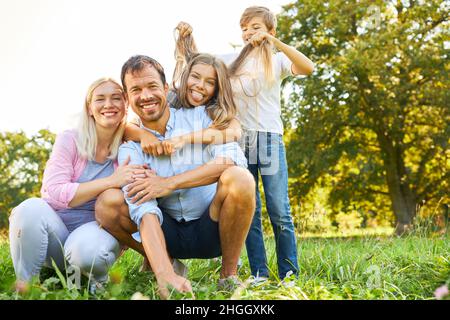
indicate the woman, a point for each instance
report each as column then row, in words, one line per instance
column 60, row 227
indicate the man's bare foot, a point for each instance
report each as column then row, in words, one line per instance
column 176, row 282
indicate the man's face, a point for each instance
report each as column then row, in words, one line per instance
column 146, row 94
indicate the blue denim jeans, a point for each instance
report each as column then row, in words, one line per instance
column 38, row 235
column 266, row 155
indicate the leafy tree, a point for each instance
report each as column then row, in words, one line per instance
column 374, row 116
column 22, row 163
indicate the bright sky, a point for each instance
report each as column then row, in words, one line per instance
column 52, row 50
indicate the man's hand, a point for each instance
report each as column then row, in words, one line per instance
column 151, row 187
column 172, row 280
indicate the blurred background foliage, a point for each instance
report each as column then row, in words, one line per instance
column 22, row 164
column 368, row 133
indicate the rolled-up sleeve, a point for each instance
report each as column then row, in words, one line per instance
column 58, row 188
column 137, row 212
column 231, row 151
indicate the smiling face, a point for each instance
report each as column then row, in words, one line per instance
column 201, row 84
column 254, row 25
column 107, row 105
column 146, row 94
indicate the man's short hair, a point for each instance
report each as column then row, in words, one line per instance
column 139, row 62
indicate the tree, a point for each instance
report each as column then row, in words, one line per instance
column 22, row 163
column 374, row 116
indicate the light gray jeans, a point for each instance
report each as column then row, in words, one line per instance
column 37, row 236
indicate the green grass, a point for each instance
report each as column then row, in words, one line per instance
column 361, row 267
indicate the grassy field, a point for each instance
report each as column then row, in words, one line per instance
column 358, row 267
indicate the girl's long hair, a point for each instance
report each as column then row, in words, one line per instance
column 87, row 134
column 221, row 107
column 264, row 50
column 185, row 48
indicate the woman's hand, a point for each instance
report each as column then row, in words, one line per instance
column 184, row 29
column 126, row 174
column 148, row 173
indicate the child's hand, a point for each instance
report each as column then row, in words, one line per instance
column 184, row 29
column 259, row 37
column 151, row 145
column 173, row 144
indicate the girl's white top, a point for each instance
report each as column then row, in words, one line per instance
column 257, row 100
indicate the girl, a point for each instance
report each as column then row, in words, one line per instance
column 61, row 225
column 256, row 74
column 199, row 79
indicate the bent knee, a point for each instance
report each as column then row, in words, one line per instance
column 110, row 198
column 109, row 205
column 91, row 260
column 91, row 248
column 31, row 205
column 239, row 182
column 31, row 210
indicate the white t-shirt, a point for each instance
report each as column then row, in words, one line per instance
column 258, row 103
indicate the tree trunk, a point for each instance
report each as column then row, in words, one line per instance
column 402, row 197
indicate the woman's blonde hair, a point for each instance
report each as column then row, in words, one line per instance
column 265, row 50
column 87, row 134
column 221, row 107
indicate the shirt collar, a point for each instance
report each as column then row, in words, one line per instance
column 169, row 126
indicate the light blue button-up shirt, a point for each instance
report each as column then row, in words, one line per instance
column 188, row 204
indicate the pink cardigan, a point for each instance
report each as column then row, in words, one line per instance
column 63, row 168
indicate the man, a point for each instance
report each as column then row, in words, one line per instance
column 205, row 198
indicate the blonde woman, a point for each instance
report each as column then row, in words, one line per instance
column 60, row 227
